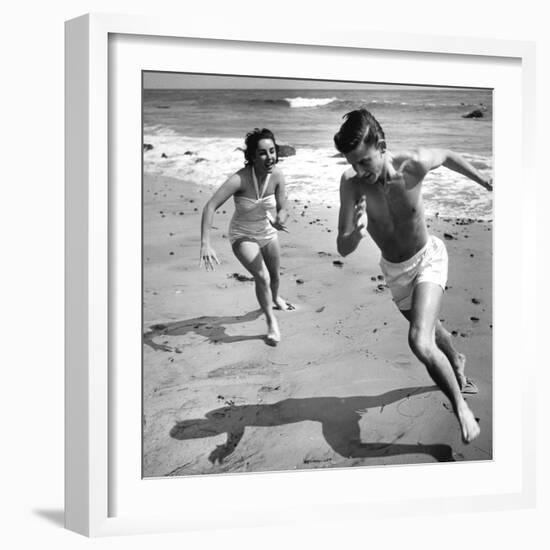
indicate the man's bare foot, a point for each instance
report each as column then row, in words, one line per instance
column 467, row 385
column 468, row 424
column 282, row 304
column 273, row 335
column 459, row 366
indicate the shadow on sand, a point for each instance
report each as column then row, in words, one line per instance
column 211, row 327
column 339, row 418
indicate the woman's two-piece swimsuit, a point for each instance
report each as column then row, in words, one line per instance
column 251, row 220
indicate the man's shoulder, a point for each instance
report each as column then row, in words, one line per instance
column 411, row 162
column 348, row 186
column 348, row 176
column 400, row 157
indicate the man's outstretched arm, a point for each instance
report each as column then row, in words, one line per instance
column 430, row 159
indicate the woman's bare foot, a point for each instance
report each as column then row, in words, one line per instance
column 468, row 424
column 282, row 304
column 273, row 335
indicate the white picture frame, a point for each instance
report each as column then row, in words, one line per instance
column 93, row 393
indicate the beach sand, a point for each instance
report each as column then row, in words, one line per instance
column 341, row 389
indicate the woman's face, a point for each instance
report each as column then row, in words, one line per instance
column 265, row 156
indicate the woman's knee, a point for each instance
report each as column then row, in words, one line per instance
column 261, row 278
column 271, row 260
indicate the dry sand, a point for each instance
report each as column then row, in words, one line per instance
column 341, row 389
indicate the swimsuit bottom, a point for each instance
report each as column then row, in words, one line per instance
column 260, row 231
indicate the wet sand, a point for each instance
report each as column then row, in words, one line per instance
column 341, row 389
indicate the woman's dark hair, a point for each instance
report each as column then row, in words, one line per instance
column 251, row 143
column 359, row 126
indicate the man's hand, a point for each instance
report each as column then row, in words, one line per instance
column 360, row 217
column 208, row 257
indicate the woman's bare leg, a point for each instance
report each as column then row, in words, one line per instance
column 271, row 253
column 248, row 253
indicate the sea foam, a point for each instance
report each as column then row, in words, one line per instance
column 300, row 102
column 312, row 175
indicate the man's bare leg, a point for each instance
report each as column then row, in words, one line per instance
column 444, row 342
column 424, row 313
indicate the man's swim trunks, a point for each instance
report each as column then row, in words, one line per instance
column 430, row 264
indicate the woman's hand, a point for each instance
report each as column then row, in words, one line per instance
column 208, row 257
column 277, row 223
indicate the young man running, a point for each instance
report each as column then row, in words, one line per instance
column 381, row 195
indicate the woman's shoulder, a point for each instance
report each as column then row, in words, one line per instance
column 240, row 176
column 239, row 180
column 242, row 172
column 277, row 175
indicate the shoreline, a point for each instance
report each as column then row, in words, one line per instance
column 312, row 174
column 208, row 372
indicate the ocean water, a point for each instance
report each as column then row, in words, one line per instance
column 196, row 135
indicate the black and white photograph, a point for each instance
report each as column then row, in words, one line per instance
column 317, row 274
column 261, row 290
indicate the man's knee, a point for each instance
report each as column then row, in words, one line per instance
column 421, row 343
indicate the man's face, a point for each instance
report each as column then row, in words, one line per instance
column 367, row 161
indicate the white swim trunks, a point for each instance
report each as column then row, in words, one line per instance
column 430, row 264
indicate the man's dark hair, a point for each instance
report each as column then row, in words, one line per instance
column 251, row 143
column 359, row 126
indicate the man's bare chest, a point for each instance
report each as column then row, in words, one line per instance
column 392, row 204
